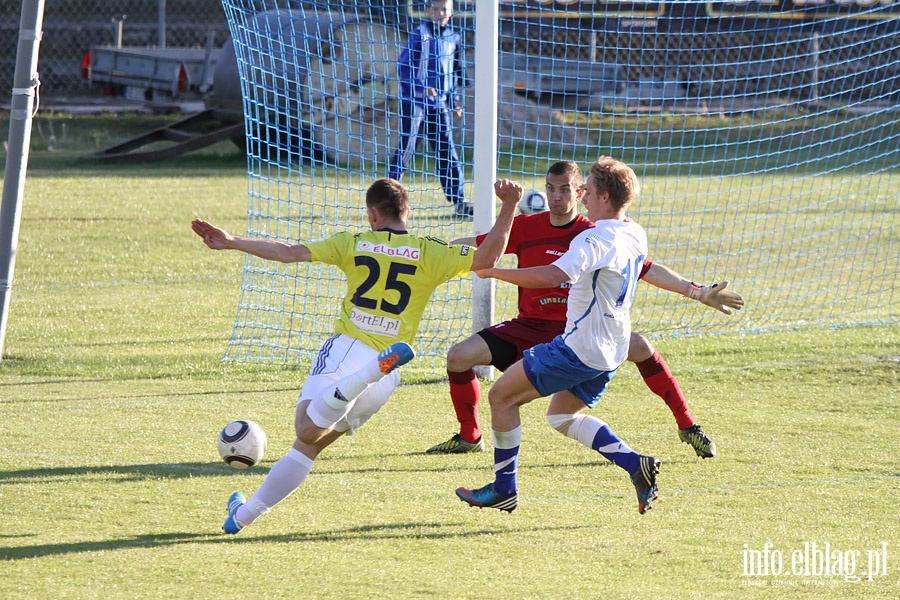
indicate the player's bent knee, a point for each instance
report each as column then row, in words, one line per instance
column 512, row 389
column 560, row 422
column 460, row 358
column 456, row 362
column 498, row 398
column 639, row 348
column 495, row 398
column 306, row 430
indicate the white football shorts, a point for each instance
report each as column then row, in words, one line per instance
column 338, row 357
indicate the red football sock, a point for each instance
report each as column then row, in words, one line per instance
column 661, row 382
column 465, row 392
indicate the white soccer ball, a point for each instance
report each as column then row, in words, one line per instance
column 242, row 444
column 533, row 202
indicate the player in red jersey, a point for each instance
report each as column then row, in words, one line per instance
column 539, row 240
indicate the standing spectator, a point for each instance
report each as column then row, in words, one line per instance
column 432, row 72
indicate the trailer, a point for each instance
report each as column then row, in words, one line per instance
column 154, row 75
column 537, row 76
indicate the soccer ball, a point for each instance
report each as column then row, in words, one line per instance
column 533, row 202
column 242, row 444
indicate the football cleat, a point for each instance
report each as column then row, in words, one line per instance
column 457, row 445
column 644, row 480
column 702, row 445
column 394, row 356
column 231, row 525
column 488, row 497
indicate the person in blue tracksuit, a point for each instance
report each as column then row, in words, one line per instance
column 432, row 73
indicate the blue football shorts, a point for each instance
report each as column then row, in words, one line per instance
column 553, row 367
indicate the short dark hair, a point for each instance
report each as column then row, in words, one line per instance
column 388, row 198
column 616, row 179
column 567, row 168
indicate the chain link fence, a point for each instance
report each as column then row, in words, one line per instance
column 711, row 63
column 71, row 27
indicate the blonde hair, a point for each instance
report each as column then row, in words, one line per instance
column 616, row 179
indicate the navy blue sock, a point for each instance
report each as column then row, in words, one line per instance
column 506, row 460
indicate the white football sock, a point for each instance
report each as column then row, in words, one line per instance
column 507, row 439
column 285, row 476
column 584, row 428
column 371, row 371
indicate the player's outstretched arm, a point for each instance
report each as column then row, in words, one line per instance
column 548, row 276
column 493, row 245
column 511, row 191
column 219, row 239
column 715, row 296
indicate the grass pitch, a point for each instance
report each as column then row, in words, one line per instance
column 112, row 394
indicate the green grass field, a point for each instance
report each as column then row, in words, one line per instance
column 112, row 393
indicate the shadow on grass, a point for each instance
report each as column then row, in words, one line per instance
column 130, row 472
column 441, row 466
column 139, row 472
column 140, row 541
column 398, row 531
column 166, row 394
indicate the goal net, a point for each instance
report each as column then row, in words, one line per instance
column 766, row 136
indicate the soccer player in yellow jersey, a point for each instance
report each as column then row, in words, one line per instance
column 391, row 275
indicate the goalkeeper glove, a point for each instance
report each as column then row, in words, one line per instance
column 716, row 296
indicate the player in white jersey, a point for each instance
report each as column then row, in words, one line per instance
column 391, row 275
column 603, row 265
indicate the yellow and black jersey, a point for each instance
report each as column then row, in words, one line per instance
column 390, row 278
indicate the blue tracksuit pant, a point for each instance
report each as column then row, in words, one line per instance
column 431, row 119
